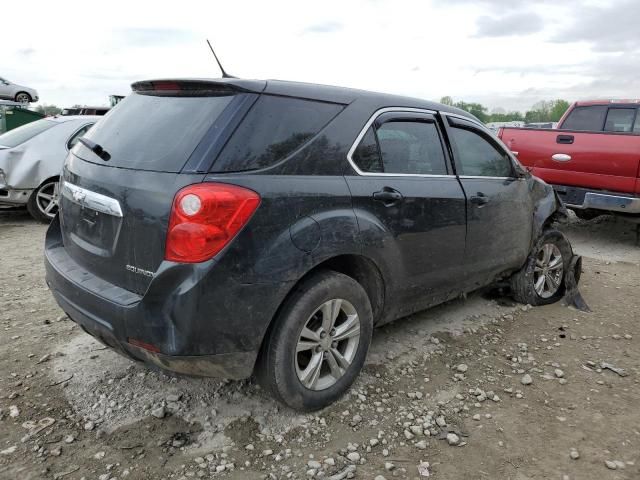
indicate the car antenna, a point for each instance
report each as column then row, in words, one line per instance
column 224, row 74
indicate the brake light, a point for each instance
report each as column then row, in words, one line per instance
column 205, row 218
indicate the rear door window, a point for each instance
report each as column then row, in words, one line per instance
column 401, row 146
column 590, row 118
column 620, row 120
column 157, row 133
column 273, row 129
column 26, row 132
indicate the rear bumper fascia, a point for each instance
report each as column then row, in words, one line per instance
column 598, row 200
column 234, row 366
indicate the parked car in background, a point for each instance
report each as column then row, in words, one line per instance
column 592, row 159
column 197, row 234
column 85, row 111
column 31, row 159
column 18, row 93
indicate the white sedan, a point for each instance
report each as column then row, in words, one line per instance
column 19, row 93
column 31, row 159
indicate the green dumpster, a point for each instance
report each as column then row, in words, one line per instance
column 13, row 115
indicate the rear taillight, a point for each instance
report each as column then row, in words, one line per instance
column 205, row 217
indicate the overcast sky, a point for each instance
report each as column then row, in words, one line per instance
column 503, row 53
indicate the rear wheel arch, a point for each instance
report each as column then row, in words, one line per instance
column 362, row 269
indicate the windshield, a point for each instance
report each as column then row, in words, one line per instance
column 158, row 133
column 26, row 132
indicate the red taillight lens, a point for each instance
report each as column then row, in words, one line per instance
column 205, row 217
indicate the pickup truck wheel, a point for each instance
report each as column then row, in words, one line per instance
column 541, row 280
column 319, row 342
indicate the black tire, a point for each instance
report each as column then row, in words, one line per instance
column 276, row 369
column 523, row 282
column 20, row 95
column 35, row 208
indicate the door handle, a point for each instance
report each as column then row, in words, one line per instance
column 388, row 196
column 479, row 199
column 565, row 139
column 560, row 157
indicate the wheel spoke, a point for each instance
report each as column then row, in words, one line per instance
column 555, row 263
column 46, row 196
column 336, row 370
column 330, row 311
column 310, row 334
column 343, row 362
column 304, row 346
column 311, row 374
column 350, row 328
column 539, row 285
column 49, row 207
column 551, row 282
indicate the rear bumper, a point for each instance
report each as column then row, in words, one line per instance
column 192, row 320
column 9, row 196
column 583, row 198
column 234, row 366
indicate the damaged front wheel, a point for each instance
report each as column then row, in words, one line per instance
column 542, row 279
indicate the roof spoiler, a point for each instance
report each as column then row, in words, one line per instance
column 197, row 87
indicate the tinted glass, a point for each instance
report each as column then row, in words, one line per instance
column 620, row 119
column 586, row 118
column 72, row 142
column 411, row 147
column 26, row 132
column 274, row 128
column 475, row 156
column 367, row 157
column 147, row 132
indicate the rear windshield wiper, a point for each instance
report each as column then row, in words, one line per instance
column 95, row 148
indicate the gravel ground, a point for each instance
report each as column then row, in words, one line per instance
column 479, row 388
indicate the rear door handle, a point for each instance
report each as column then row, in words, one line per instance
column 560, row 157
column 479, row 199
column 389, row 196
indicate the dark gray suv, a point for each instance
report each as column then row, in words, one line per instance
column 233, row 227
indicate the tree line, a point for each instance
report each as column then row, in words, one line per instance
column 543, row 111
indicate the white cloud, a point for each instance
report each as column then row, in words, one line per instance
column 81, row 52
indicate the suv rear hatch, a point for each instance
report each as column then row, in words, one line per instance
column 116, row 203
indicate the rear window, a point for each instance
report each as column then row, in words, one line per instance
column 620, row 120
column 26, row 132
column 146, row 132
column 274, row 128
column 586, row 118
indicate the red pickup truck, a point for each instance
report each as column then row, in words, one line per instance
column 592, row 158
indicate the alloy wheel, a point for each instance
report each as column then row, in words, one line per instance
column 548, row 271
column 47, row 199
column 327, row 344
column 22, row 98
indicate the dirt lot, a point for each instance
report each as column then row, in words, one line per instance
column 70, row 409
